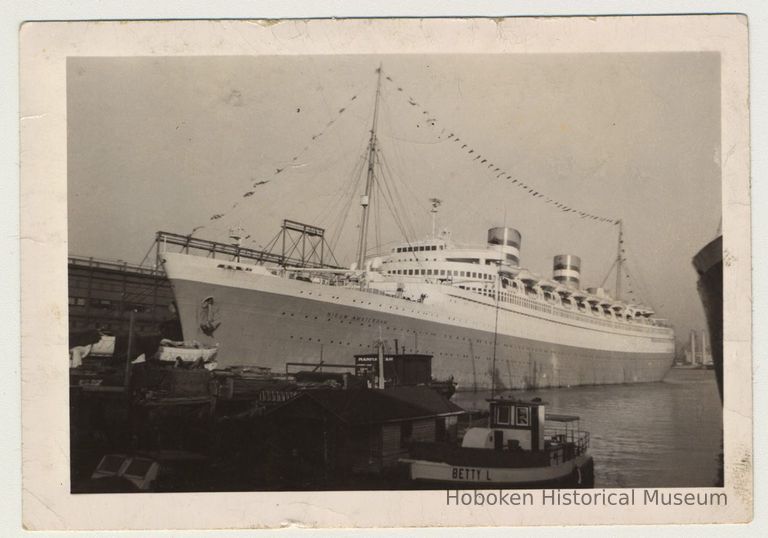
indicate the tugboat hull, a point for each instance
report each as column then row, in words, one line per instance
column 575, row 473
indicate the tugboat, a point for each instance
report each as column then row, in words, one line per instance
column 516, row 451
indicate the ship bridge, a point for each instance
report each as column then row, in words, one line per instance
column 440, row 261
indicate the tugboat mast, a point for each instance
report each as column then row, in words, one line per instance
column 365, row 198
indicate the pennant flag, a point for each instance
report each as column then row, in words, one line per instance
column 501, row 172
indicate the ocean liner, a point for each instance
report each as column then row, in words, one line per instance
column 488, row 322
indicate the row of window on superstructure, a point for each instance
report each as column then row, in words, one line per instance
column 440, row 272
column 420, row 248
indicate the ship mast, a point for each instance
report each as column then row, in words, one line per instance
column 619, row 260
column 365, row 198
column 435, row 204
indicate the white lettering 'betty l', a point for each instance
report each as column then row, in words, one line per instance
column 468, row 473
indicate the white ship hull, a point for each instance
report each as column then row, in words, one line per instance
column 265, row 320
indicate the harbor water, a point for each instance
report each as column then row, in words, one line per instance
column 666, row 434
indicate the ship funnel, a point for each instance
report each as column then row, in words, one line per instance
column 567, row 270
column 507, row 242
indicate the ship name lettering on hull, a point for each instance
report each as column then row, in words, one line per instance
column 361, row 319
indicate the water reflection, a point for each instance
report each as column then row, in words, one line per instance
column 665, row 434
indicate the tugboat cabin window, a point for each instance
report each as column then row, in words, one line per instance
column 521, row 416
column 503, row 414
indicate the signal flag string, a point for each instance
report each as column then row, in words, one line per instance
column 499, row 172
column 255, row 184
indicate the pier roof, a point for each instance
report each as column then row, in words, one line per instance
column 372, row 406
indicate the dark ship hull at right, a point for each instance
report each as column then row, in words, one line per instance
column 709, row 265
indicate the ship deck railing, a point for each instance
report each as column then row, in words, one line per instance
column 113, row 265
column 578, row 316
column 653, row 327
column 210, row 249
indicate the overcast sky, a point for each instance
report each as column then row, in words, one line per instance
column 167, row 143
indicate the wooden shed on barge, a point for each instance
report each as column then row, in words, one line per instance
column 328, row 436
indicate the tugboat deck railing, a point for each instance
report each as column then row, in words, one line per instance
column 553, row 453
column 564, row 437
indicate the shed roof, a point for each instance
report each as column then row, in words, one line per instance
column 426, row 398
column 370, row 406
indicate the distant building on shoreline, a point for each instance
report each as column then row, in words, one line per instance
column 697, row 351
